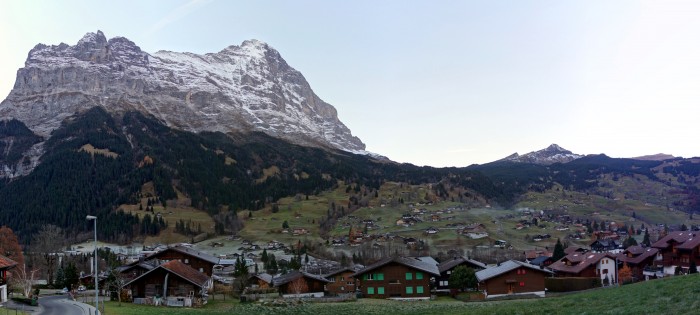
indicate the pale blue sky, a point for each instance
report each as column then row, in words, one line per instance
column 441, row 83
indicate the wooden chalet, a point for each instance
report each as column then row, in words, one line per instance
column 5, row 265
column 300, row 284
column 196, row 259
column 606, row 246
column 341, row 281
column 133, row 270
column 261, row 281
column 173, row 283
column 442, row 282
column 397, row 278
column 587, row 265
column 676, row 251
column 639, row 259
column 512, row 278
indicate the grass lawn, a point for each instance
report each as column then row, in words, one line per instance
column 676, row 295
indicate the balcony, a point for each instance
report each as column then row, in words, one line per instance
column 657, row 272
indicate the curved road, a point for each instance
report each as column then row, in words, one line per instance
column 63, row 305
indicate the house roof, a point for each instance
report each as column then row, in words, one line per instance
column 289, row 277
column 540, row 260
column 6, row 263
column 262, row 276
column 639, row 254
column 574, row 249
column 411, row 262
column 606, row 243
column 504, row 267
column 335, row 272
column 690, row 243
column 678, row 237
column 195, row 253
column 147, row 265
column 180, row 269
column 582, row 261
column 456, row 261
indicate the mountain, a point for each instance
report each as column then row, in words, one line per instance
column 550, row 155
column 655, row 157
column 238, row 90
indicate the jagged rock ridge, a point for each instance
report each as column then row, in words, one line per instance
column 239, row 89
column 550, row 155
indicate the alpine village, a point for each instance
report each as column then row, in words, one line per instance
column 221, row 184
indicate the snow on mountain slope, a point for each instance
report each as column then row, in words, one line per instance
column 239, row 89
column 550, row 155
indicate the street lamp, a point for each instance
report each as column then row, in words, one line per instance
column 94, row 218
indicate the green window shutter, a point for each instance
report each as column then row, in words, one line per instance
column 380, row 290
column 419, row 290
column 380, row 276
column 370, row 290
column 409, row 276
column 409, row 290
column 364, row 277
column 419, row 276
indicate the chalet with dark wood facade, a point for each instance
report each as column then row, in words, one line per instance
column 198, row 260
column 341, row 282
column 677, row 250
column 300, row 284
column 638, row 259
column 512, row 278
column 397, row 278
column 133, row 270
column 173, row 283
column 5, row 265
column 442, row 282
column 588, row 265
column 261, row 280
column 606, row 246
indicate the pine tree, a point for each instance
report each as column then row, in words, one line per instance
column 646, row 242
column 693, row 267
column 558, row 251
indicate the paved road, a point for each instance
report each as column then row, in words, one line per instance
column 63, row 305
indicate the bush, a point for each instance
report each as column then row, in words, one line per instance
column 27, row 301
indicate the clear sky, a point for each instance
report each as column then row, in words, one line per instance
column 441, row 83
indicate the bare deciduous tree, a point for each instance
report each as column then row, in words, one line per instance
column 47, row 244
column 298, row 286
column 24, row 280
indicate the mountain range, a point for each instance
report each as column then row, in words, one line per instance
column 87, row 126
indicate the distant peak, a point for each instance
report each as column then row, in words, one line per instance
column 554, row 147
column 552, row 154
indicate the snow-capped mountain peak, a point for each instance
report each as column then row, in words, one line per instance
column 549, row 155
column 242, row 88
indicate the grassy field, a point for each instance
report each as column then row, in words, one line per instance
column 676, row 295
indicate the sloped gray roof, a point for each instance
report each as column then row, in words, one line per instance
column 412, row 262
column 451, row 263
column 507, row 266
column 289, row 277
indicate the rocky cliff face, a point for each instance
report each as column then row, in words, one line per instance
column 239, row 89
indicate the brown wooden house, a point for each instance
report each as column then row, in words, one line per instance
column 676, row 251
column 173, row 283
column 341, row 282
column 512, row 278
column 446, row 267
column 397, row 278
column 198, row 260
column 133, row 270
column 638, row 259
column 300, row 284
column 588, row 265
column 261, row 281
column 5, row 265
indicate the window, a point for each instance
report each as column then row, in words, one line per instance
column 605, row 271
column 380, row 290
column 201, row 269
column 520, row 271
column 349, row 283
column 444, row 283
column 409, row 276
column 419, row 276
column 187, row 261
column 522, row 284
column 342, row 278
column 419, row 290
column 409, row 290
column 370, row 290
column 369, row 276
column 342, row 288
column 449, row 272
column 394, row 282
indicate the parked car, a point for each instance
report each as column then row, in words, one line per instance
column 81, row 288
column 64, row 291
